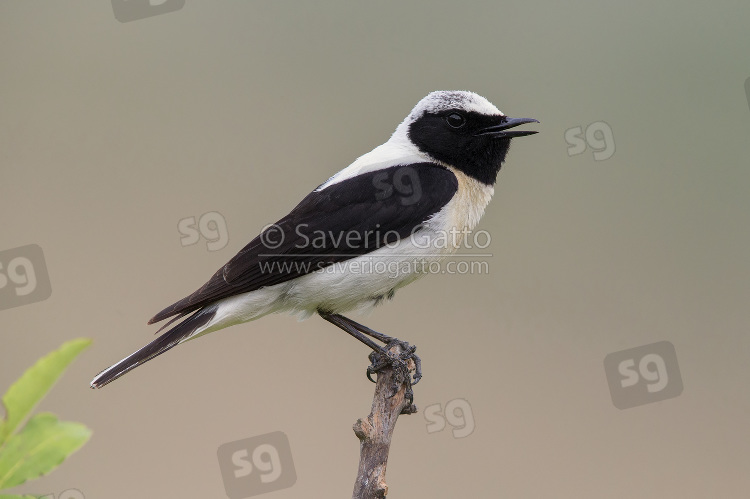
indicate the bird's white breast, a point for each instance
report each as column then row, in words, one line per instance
column 463, row 212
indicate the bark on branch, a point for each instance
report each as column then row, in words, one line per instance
column 375, row 431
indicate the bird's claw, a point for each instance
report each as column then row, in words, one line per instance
column 383, row 357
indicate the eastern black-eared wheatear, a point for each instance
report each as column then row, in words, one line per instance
column 358, row 237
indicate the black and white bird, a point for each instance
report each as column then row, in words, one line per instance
column 367, row 231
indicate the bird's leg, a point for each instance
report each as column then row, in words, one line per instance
column 389, row 341
column 369, row 332
column 380, row 356
column 341, row 322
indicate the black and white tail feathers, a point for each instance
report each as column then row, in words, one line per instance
column 157, row 347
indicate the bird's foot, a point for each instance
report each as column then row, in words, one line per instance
column 383, row 358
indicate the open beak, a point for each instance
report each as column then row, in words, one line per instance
column 502, row 131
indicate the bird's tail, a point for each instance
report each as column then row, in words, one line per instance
column 171, row 338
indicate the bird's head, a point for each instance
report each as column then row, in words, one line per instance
column 464, row 130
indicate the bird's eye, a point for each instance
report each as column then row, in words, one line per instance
column 455, row 120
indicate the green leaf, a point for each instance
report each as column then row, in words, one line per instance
column 5, row 496
column 25, row 393
column 39, row 448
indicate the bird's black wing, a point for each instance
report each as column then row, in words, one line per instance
column 347, row 219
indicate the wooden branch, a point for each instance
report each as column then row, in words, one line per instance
column 375, row 431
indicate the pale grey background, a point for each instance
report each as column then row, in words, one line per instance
column 110, row 133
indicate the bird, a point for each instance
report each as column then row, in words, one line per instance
column 359, row 236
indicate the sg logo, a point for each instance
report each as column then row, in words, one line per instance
column 598, row 136
column 211, row 226
column 23, row 276
column 643, row 375
column 256, row 465
column 458, row 414
column 405, row 181
column 132, row 10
